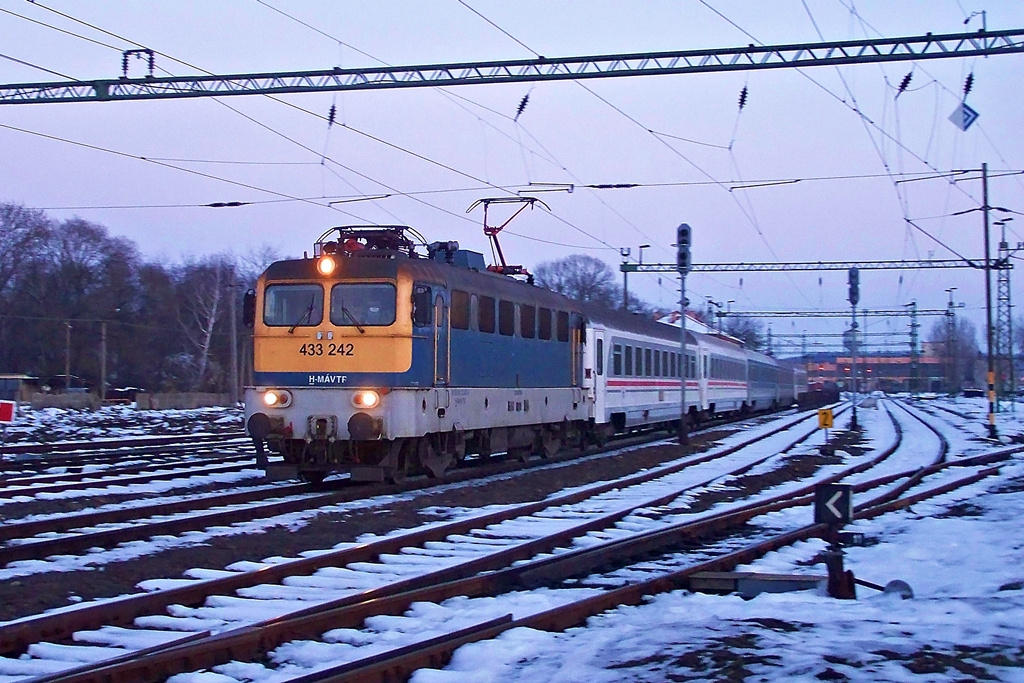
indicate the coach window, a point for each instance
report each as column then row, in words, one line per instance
column 563, row 326
column 629, row 361
column 506, row 318
column 487, row 314
column 293, row 305
column 600, row 356
column 647, row 362
column 657, row 363
column 359, row 304
column 544, row 323
column 460, row 310
column 639, row 362
column 527, row 321
column 617, row 359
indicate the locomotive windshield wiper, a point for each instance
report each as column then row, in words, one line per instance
column 308, row 313
column 353, row 319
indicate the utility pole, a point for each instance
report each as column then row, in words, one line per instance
column 992, row 404
column 232, row 294
column 103, row 360
column 67, row 355
column 624, row 251
column 951, row 364
column 914, row 355
column 683, row 238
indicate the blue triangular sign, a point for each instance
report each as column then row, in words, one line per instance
column 963, row 116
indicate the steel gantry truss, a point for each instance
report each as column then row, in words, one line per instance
column 887, row 313
column 525, row 70
column 811, row 265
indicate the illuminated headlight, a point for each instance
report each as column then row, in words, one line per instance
column 365, row 399
column 277, row 398
column 326, row 265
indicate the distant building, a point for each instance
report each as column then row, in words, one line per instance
column 879, row 371
column 15, row 387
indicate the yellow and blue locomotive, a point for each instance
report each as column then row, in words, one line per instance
column 372, row 359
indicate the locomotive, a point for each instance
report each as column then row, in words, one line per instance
column 377, row 360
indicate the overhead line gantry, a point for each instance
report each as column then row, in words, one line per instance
column 751, row 57
column 812, row 265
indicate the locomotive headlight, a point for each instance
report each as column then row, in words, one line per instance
column 326, row 265
column 277, row 398
column 366, row 399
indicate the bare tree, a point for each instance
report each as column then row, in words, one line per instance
column 749, row 330
column 22, row 233
column 579, row 277
column 958, row 344
column 204, row 286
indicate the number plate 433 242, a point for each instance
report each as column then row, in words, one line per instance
column 329, row 349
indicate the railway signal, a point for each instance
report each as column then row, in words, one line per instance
column 854, row 279
column 683, row 236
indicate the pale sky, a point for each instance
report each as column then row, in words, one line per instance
column 437, row 151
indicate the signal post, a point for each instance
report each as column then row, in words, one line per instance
column 683, row 237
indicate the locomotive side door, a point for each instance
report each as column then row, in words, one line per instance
column 442, row 348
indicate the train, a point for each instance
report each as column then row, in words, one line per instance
column 374, row 359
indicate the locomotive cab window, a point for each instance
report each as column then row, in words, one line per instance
column 422, row 306
column 370, row 304
column 293, row 305
column 599, row 353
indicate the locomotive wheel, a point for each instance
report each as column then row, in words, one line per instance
column 397, row 466
column 551, row 443
column 522, row 453
column 435, row 462
column 313, row 477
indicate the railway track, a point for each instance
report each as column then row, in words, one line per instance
column 25, row 461
column 18, row 635
column 512, row 561
column 518, row 551
column 64, row 534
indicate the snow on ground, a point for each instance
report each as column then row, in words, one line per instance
column 962, row 553
column 115, row 421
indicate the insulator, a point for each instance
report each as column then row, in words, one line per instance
column 522, row 106
column 743, row 97
column 969, row 83
column 330, row 116
column 905, row 82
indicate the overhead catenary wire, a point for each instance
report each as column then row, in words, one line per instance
column 322, row 117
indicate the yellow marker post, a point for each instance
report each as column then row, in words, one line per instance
column 825, row 421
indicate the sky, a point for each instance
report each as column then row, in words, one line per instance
column 682, row 138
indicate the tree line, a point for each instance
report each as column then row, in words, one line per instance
column 72, row 296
